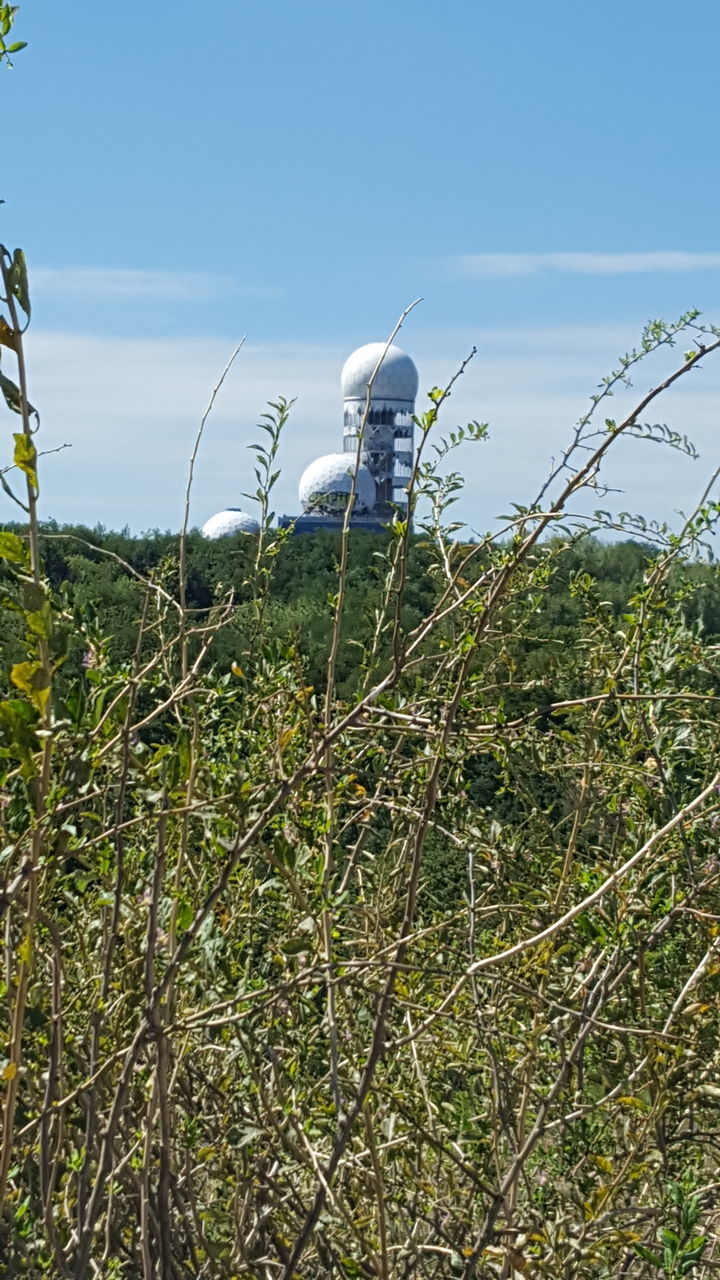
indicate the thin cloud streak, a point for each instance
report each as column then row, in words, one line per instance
column 120, row 282
column 589, row 264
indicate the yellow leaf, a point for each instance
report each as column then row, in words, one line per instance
column 25, row 456
column 10, row 1071
column 25, row 951
column 31, row 678
column 237, row 670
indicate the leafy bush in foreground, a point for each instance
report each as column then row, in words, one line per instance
column 250, row 1028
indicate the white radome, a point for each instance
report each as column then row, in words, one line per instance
column 397, row 377
column 228, row 522
column 326, row 484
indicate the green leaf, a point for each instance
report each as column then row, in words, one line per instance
column 59, row 637
column 34, row 598
column 39, row 621
column 351, row 1267
column 13, row 549
column 19, row 278
column 16, row 733
column 690, row 1257
column 11, row 394
column 13, row 496
column 184, row 917
column 647, row 1255
column 13, row 398
column 16, row 709
column 295, row 946
column 25, row 456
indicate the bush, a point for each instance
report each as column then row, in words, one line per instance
column 390, row 958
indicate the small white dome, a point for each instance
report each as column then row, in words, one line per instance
column 397, row 377
column 228, row 522
column 325, row 485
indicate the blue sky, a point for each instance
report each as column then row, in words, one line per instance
column 544, row 175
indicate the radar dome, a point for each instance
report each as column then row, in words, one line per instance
column 228, row 522
column 325, row 486
column 396, row 379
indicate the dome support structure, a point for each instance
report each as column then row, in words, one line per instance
column 383, row 430
column 387, row 437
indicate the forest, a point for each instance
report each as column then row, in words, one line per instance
column 100, row 575
column 103, row 572
column 361, row 901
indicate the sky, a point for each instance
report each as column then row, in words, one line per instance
column 544, row 175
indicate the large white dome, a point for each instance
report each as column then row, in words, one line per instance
column 397, row 377
column 230, row 521
column 325, row 486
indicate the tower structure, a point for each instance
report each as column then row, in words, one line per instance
column 386, row 446
column 379, row 386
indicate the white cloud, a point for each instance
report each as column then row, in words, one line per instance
column 130, row 408
column 113, row 283
column 525, row 264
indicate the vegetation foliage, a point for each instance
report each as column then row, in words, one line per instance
column 360, row 895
